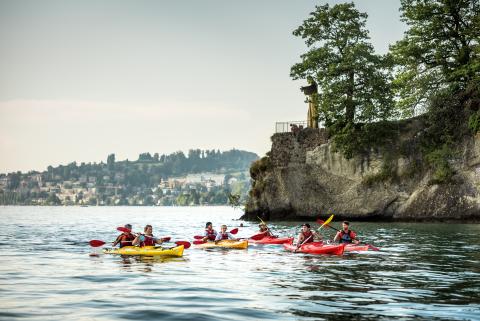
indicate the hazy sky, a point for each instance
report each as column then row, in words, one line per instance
column 82, row 79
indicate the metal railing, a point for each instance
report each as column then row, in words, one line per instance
column 286, row 127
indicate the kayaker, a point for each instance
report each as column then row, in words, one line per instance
column 307, row 235
column 346, row 235
column 224, row 235
column 263, row 229
column 126, row 238
column 147, row 238
column 210, row 234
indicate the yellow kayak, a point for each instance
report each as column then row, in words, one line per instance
column 225, row 244
column 147, row 251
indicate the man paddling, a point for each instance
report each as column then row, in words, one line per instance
column 346, row 235
column 307, row 235
column 126, row 238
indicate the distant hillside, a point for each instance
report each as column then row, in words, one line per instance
column 147, row 181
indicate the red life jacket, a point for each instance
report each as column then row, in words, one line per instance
column 126, row 239
column 149, row 241
column 307, row 237
column 224, row 236
column 347, row 237
column 211, row 234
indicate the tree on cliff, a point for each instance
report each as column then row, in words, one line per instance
column 353, row 80
column 440, row 49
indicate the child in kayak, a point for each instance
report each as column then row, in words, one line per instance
column 147, row 238
column 210, row 234
column 224, row 235
column 126, row 238
column 346, row 235
column 307, row 235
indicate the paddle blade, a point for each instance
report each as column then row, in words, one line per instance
column 198, row 237
column 198, row 242
column 123, row 229
column 96, row 243
column 184, row 243
column 166, row 239
column 234, row 231
column 327, row 221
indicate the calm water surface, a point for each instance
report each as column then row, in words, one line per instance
column 424, row 271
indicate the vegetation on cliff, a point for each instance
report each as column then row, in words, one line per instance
column 434, row 70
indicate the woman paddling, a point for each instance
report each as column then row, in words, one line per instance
column 147, row 238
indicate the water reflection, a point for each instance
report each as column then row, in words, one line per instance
column 423, row 271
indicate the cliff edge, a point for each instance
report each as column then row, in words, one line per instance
column 303, row 176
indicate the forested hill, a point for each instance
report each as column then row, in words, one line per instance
column 147, row 169
column 149, row 180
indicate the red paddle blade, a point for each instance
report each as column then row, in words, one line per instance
column 166, row 239
column 198, row 237
column 234, row 231
column 123, row 229
column 96, row 243
column 198, row 242
column 184, row 243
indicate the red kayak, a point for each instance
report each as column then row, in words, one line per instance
column 317, row 248
column 271, row 240
column 359, row 248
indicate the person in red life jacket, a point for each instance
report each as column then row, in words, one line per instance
column 307, row 235
column 210, row 234
column 126, row 238
column 263, row 229
column 147, row 238
column 346, row 235
column 224, row 235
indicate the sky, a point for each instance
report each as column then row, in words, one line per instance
column 80, row 80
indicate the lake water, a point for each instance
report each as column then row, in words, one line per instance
column 423, row 271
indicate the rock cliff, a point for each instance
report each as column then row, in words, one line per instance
column 303, row 176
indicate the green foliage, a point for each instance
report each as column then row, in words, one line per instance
column 440, row 49
column 260, row 166
column 474, row 122
column 359, row 139
column 353, row 80
column 438, row 159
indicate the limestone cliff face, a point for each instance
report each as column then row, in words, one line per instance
column 304, row 177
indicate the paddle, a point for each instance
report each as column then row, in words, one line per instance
column 186, row 244
column 319, row 221
column 308, row 238
column 268, row 229
column 97, row 243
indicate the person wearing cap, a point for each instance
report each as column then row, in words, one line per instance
column 263, row 229
column 346, row 235
column 210, row 234
column 307, row 235
column 126, row 238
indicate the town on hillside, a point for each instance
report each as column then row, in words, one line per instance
column 201, row 178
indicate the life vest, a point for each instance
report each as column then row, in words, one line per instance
column 148, row 241
column 346, row 237
column 307, row 237
column 126, row 239
column 224, row 236
column 211, row 234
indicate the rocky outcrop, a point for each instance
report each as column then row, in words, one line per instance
column 303, row 176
